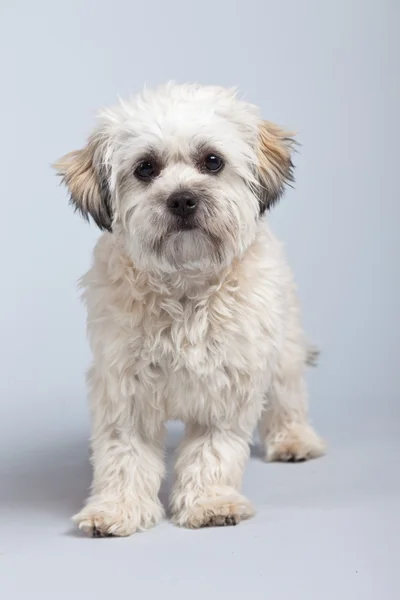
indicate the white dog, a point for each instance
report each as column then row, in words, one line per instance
column 192, row 310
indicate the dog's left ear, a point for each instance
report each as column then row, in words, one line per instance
column 85, row 175
column 275, row 167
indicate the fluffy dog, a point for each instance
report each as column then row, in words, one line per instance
column 192, row 309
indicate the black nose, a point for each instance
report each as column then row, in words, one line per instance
column 182, row 204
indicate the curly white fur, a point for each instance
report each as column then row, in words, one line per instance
column 200, row 325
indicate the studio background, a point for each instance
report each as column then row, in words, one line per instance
column 326, row 69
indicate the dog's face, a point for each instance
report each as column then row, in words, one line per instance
column 184, row 173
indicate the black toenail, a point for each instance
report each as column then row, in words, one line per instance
column 96, row 533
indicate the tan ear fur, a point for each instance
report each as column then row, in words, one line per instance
column 275, row 163
column 87, row 183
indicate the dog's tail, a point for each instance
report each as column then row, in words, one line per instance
column 312, row 357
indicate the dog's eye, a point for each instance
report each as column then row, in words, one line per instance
column 146, row 170
column 213, row 163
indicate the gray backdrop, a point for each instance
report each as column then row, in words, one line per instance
column 327, row 69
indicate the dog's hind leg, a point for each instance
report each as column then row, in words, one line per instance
column 284, row 428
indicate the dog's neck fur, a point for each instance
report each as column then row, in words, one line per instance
column 186, row 282
column 191, row 283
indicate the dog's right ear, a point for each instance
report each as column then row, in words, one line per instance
column 85, row 175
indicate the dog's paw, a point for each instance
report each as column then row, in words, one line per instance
column 108, row 518
column 295, row 444
column 217, row 511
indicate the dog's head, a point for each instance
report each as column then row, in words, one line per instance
column 184, row 173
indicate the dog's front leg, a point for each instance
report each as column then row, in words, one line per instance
column 209, row 471
column 128, row 466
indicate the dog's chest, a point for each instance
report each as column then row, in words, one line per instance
column 194, row 355
column 199, row 339
column 185, row 335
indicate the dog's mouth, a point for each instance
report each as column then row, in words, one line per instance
column 188, row 241
column 182, row 224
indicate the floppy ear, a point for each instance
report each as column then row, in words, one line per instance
column 275, row 167
column 85, row 175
